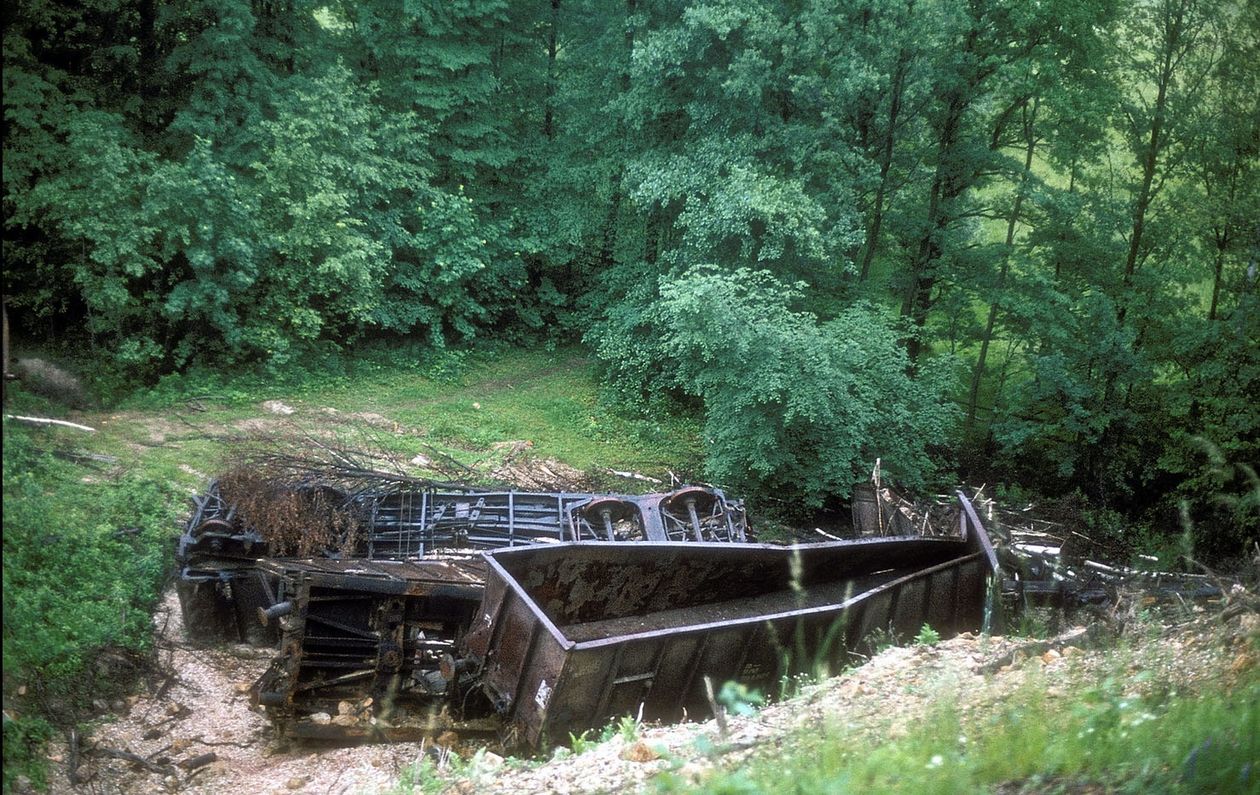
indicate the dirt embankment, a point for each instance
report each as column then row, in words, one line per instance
column 153, row 747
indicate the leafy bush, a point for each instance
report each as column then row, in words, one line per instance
column 794, row 407
column 24, row 739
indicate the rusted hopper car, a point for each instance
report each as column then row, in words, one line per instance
column 546, row 613
column 568, row 637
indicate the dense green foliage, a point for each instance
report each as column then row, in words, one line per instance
column 65, row 538
column 793, row 407
column 805, row 220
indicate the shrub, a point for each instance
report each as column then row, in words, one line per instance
column 794, row 407
column 83, row 567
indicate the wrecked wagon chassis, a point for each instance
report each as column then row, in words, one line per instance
column 536, row 614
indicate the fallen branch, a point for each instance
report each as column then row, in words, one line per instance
column 199, row 761
column 335, row 780
column 171, row 679
column 179, row 714
column 634, row 476
column 719, row 714
column 193, row 774
column 85, row 458
column 200, row 741
column 47, row 421
column 127, row 756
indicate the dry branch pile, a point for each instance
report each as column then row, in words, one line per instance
column 294, row 520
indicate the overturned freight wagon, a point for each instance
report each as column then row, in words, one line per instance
column 569, row 636
column 367, row 607
column 543, row 613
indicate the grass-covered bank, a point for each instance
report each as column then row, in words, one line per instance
column 1103, row 738
column 1166, row 701
column 85, row 554
column 460, row 401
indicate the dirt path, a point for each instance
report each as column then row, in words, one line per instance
column 206, row 710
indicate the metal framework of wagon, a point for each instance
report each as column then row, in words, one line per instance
column 392, row 649
column 368, row 630
column 221, row 584
column 545, row 613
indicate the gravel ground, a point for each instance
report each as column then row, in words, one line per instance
column 206, row 709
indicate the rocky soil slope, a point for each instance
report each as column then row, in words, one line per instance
column 201, row 707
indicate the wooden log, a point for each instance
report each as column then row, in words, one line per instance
column 199, row 761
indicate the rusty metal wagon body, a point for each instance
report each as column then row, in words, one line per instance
column 569, row 637
column 539, row 614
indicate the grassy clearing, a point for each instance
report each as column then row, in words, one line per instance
column 461, row 402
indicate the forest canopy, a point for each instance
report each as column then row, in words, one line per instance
column 1007, row 240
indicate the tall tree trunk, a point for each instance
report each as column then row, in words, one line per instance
column 549, row 112
column 608, row 238
column 149, row 118
column 1174, row 22
column 896, row 94
column 1218, row 270
column 1222, row 233
column 947, row 186
column 652, row 234
column 977, row 374
column 1169, row 54
column 4, row 384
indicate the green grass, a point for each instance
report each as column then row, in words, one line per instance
column 1099, row 739
column 462, row 402
column 84, row 559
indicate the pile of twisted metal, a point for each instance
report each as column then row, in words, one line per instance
column 533, row 615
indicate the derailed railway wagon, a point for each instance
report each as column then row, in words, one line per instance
column 536, row 614
column 226, row 563
column 364, row 646
column 569, row 637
